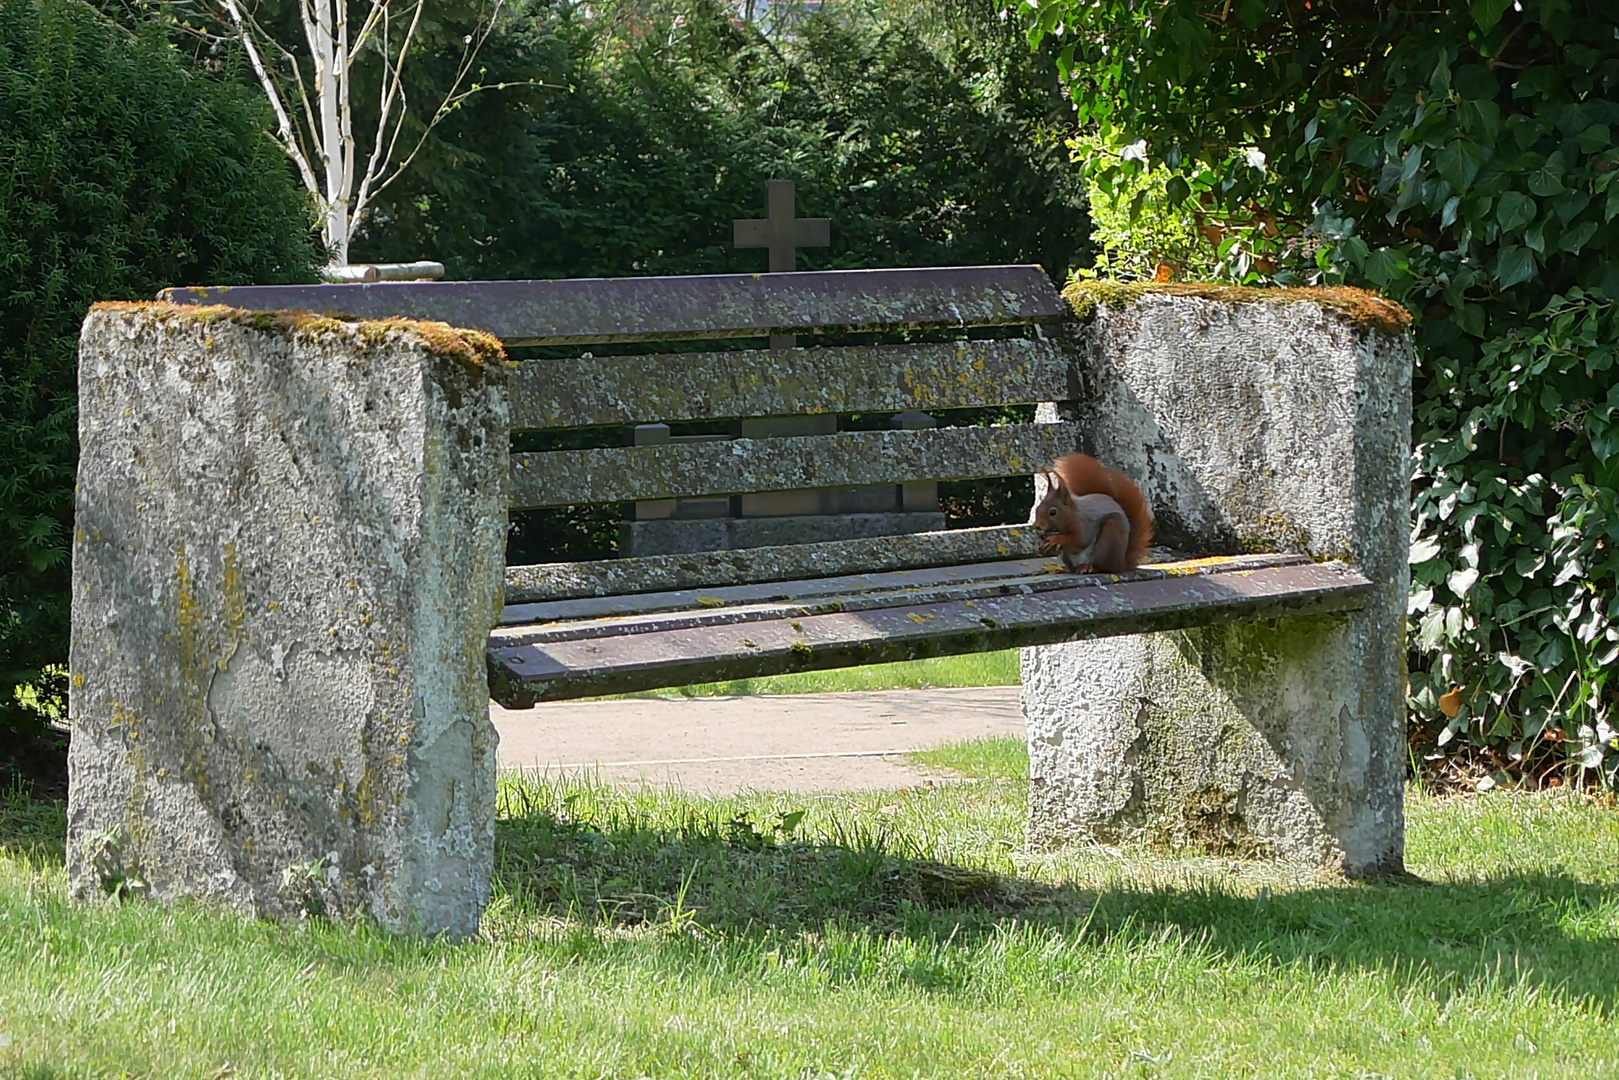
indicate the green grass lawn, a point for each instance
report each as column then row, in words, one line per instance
column 972, row 669
column 892, row 934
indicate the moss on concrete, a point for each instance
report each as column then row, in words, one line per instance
column 474, row 348
column 1362, row 308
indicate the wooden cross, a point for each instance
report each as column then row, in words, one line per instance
column 781, row 231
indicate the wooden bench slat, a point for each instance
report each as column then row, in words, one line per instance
column 738, row 466
column 524, row 674
column 610, row 607
column 711, row 569
column 568, row 620
column 582, row 311
column 671, row 387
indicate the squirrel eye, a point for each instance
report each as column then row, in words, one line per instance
column 1052, row 512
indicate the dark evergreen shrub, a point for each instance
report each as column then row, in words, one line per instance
column 122, row 171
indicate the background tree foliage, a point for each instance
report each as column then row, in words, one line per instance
column 124, row 171
column 631, row 133
column 1461, row 158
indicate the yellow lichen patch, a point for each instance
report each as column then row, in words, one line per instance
column 1364, row 309
column 1191, row 566
column 471, row 347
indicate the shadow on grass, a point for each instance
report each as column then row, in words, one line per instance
column 747, row 880
column 603, row 863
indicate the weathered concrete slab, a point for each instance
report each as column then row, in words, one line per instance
column 1255, row 422
column 667, row 387
column 287, row 560
column 586, row 311
column 672, row 470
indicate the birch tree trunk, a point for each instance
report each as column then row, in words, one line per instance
column 309, row 84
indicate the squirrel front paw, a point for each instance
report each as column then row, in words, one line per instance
column 1047, row 545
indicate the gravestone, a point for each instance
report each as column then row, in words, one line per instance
column 677, row 526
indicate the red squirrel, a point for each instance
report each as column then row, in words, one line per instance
column 1094, row 516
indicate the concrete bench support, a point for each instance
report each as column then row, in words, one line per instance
column 288, row 558
column 1277, row 424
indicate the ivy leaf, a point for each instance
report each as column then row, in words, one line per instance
column 1513, row 265
column 1595, row 138
column 1459, row 162
column 1578, row 236
column 1480, row 118
column 1431, row 630
column 1548, row 179
column 1362, row 150
column 1384, row 265
column 1488, row 12
column 1422, row 551
column 1462, row 581
column 1515, row 210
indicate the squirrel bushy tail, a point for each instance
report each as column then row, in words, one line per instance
column 1082, row 474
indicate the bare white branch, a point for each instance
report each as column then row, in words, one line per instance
column 325, row 146
column 289, row 138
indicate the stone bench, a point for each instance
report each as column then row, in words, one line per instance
column 288, row 565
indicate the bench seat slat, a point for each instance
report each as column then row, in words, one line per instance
column 584, row 311
column 737, row 466
column 672, row 387
column 524, row 674
column 659, row 573
column 612, row 607
column 568, row 620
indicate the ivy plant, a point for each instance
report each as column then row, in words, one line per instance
column 1459, row 157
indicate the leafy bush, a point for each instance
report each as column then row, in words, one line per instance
column 1461, row 158
column 124, row 172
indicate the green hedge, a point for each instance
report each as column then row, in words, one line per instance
column 123, row 172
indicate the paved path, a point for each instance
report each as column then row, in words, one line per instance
column 802, row 742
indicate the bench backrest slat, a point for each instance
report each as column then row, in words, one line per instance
column 674, row 387
column 595, row 310
column 741, row 466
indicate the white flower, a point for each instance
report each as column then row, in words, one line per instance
column 1256, row 158
column 1136, row 151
